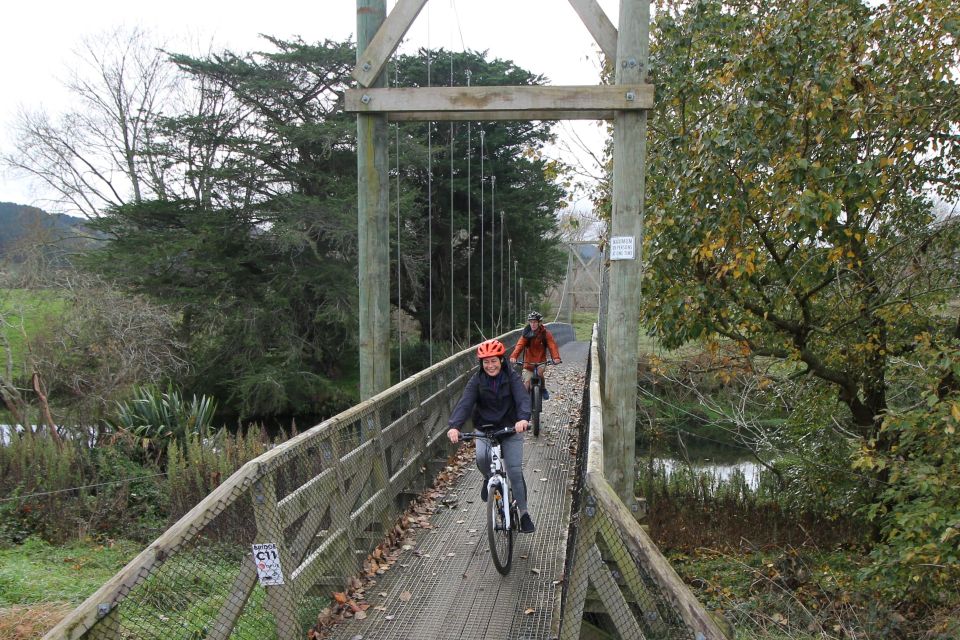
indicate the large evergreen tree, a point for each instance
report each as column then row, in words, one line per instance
column 256, row 236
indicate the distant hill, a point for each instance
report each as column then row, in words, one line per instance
column 22, row 224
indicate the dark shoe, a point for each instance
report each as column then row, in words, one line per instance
column 526, row 524
column 546, row 394
column 483, row 492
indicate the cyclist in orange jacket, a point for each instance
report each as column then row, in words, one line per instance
column 536, row 340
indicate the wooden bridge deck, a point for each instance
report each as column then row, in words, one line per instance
column 446, row 587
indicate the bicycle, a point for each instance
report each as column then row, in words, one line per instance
column 503, row 517
column 536, row 393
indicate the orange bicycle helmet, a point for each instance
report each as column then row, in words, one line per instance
column 490, row 349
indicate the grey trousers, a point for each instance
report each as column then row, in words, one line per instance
column 512, row 449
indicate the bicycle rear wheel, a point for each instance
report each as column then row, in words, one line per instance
column 535, row 410
column 498, row 535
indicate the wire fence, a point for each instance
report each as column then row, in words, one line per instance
column 260, row 556
column 618, row 584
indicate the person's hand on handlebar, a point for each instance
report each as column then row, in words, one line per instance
column 453, row 434
column 521, row 426
column 513, row 361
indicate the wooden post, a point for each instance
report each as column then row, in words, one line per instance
column 373, row 199
column 623, row 306
column 281, row 600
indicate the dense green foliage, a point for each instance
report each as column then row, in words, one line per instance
column 790, row 164
column 795, row 157
column 919, row 507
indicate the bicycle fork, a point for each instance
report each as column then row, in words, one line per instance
column 499, row 485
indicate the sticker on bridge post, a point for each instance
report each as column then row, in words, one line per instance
column 267, row 559
column 622, row 248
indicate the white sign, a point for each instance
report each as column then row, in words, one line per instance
column 267, row 559
column 621, row 248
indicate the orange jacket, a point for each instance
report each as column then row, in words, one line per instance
column 536, row 345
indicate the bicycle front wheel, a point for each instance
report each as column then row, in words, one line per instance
column 499, row 536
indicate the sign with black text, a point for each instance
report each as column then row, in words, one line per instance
column 267, row 559
column 622, row 248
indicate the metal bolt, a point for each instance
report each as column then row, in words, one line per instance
column 367, row 66
column 365, row 99
column 632, row 62
column 103, row 609
column 631, row 96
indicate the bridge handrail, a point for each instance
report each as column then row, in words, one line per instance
column 327, row 496
column 628, row 545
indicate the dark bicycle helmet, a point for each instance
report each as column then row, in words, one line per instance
column 490, row 349
column 534, row 315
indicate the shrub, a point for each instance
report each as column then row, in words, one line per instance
column 155, row 418
column 68, row 491
column 919, row 510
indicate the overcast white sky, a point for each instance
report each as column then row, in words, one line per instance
column 37, row 38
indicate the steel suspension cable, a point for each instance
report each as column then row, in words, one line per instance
column 429, row 205
column 429, row 208
column 396, row 83
column 453, row 341
column 469, row 221
column 500, row 310
column 493, row 246
column 482, row 230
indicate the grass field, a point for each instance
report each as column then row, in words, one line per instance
column 40, row 583
column 23, row 315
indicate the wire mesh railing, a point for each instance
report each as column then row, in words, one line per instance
column 618, row 583
column 260, row 556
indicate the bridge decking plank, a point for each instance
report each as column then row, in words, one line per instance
column 462, row 596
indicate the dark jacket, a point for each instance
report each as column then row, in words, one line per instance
column 500, row 401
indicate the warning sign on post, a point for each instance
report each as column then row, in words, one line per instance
column 621, row 248
column 267, row 559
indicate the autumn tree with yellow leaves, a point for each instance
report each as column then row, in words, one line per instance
column 800, row 158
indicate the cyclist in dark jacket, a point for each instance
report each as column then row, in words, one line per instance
column 495, row 396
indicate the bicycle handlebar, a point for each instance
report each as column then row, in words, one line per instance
column 473, row 435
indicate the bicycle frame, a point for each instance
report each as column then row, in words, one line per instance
column 498, row 472
column 502, row 520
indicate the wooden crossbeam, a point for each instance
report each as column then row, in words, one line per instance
column 599, row 25
column 389, row 35
column 398, row 22
column 599, row 102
